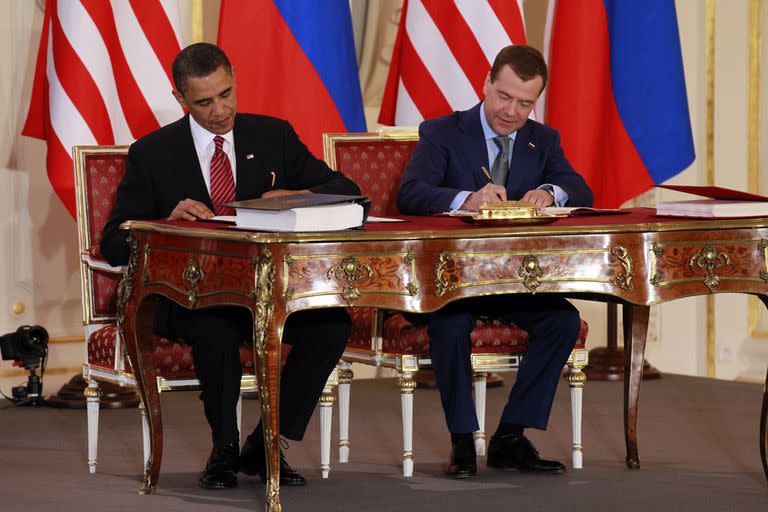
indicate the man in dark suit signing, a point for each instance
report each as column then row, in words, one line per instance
column 185, row 171
column 493, row 152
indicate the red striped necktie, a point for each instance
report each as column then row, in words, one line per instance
column 222, row 181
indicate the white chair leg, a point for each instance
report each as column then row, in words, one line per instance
column 407, row 386
column 480, row 381
column 344, row 389
column 239, row 412
column 92, row 400
column 576, row 380
column 326, row 415
column 144, row 432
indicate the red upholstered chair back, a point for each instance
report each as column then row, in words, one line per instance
column 99, row 171
column 374, row 161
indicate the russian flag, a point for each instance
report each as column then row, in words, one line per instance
column 617, row 95
column 295, row 59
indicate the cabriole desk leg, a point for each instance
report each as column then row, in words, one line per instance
column 635, row 331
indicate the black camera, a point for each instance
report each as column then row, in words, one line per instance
column 27, row 346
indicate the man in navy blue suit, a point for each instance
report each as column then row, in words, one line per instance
column 494, row 152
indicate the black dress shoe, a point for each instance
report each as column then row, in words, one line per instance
column 463, row 461
column 516, row 451
column 253, row 462
column 221, row 469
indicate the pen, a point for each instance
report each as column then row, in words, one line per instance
column 273, row 177
column 487, row 174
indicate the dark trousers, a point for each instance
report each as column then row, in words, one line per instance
column 553, row 326
column 317, row 339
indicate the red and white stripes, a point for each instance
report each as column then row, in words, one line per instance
column 442, row 55
column 102, row 77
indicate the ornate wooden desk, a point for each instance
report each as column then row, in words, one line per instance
column 636, row 259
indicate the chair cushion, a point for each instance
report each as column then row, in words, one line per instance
column 173, row 358
column 407, row 334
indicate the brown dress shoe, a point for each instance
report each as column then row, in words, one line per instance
column 253, row 462
column 516, row 451
column 463, row 461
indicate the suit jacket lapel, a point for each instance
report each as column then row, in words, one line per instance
column 246, row 155
column 190, row 174
column 473, row 144
column 523, row 160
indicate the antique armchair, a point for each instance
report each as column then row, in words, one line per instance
column 98, row 170
column 390, row 339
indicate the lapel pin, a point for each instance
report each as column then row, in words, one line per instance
column 249, row 157
column 531, row 145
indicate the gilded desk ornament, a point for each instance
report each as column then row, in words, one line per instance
column 408, row 259
column 656, row 277
column 710, row 259
column 350, row 270
column 622, row 279
column 262, row 314
column 192, row 275
column 145, row 274
column 530, row 272
column 125, row 288
column 762, row 246
column 441, row 283
column 289, row 290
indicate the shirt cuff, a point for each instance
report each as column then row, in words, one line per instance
column 459, row 200
column 560, row 195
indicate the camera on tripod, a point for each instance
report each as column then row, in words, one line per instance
column 27, row 348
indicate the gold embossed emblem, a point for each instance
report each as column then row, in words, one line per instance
column 710, row 259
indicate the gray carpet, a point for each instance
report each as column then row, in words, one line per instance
column 698, row 441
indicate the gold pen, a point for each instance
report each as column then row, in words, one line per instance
column 487, row 174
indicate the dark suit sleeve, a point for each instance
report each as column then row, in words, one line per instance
column 421, row 191
column 304, row 171
column 133, row 201
column 558, row 171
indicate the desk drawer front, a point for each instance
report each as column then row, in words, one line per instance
column 196, row 276
column 575, row 264
column 717, row 265
column 350, row 275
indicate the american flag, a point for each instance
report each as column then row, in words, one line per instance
column 443, row 52
column 103, row 77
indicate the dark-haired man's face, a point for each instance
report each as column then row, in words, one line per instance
column 509, row 100
column 211, row 100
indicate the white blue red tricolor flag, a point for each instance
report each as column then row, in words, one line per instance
column 617, row 94
column 103, row 76
column 295, row 59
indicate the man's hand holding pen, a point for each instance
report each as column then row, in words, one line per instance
column 540, row 197
column 489, row 193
